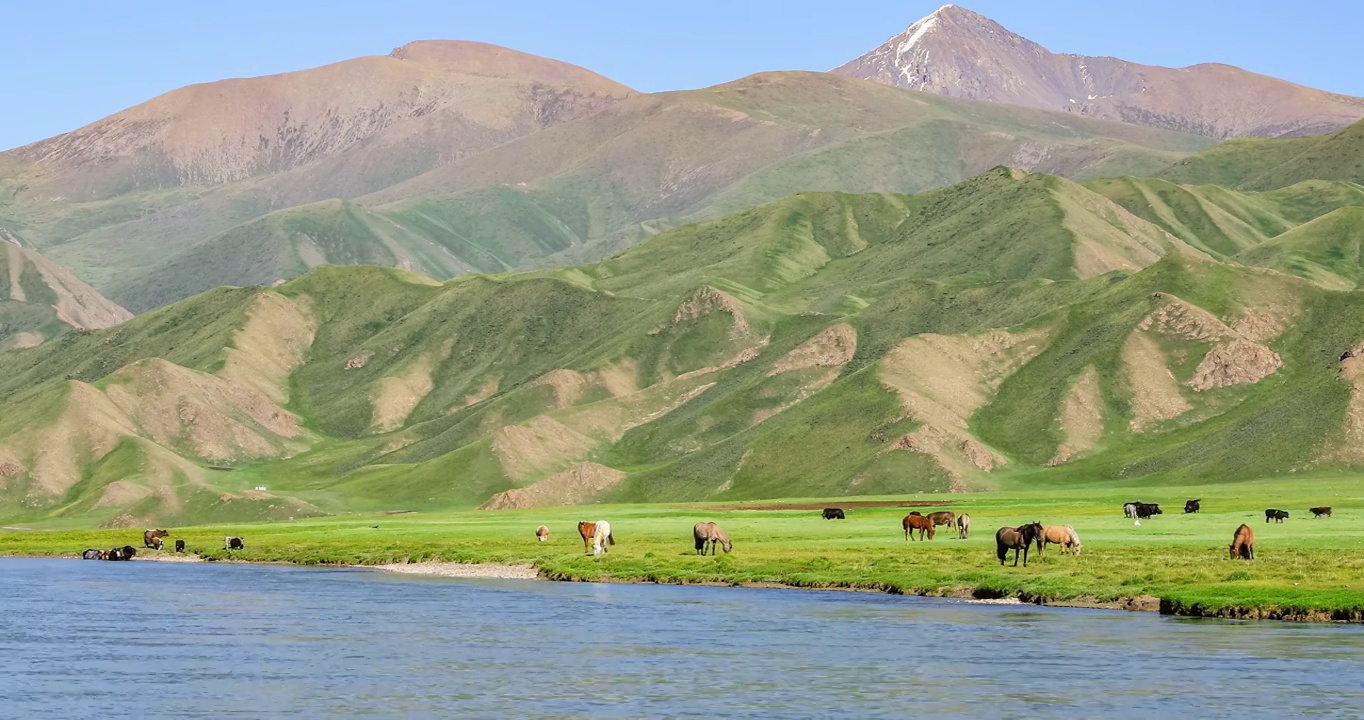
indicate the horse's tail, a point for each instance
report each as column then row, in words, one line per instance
column 1001, row 549
column 610, row 539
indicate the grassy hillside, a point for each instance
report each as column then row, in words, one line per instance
column 1013, row 326
column 572, row 192
column 1278, row 163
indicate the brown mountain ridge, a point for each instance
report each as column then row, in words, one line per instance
column 958, row 53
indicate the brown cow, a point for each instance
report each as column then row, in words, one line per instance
column 149, row 535
column 1323, row 511
column 915, row 521
column 1243, row 543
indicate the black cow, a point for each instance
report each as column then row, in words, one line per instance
column 1146, row 510
column 1191, row 506
column 1276, row 515
column 124, row 553
column 834, row 514
column 93, row 554
column 179, row 546
column 233, row 543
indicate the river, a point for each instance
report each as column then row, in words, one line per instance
column 83, row 639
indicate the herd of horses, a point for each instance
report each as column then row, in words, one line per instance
column 708, row 536
column 155, row 540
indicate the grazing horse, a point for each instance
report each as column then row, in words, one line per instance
column 963, row 526
column 913, row 522
column 587, row 530
column 1063, row 535
column 179, row 546
column 945, row 517
column 149, row 536
column 542, row 533
column 233, row 542
column 93, row 554
column 834, row 514
column 1320, row 512
column 1276, row 515
column 1243, row 543
column 601, row 537
column 1016, row 539
column 1192, row 506
column 708, row 533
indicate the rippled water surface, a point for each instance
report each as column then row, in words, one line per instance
column 91, row 639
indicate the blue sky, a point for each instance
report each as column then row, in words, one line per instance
column 64, row 63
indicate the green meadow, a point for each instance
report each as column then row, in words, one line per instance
column 1305, row 568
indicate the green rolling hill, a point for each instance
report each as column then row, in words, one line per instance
column 1015, row 327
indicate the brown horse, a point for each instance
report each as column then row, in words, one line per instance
column 1063, row 535
column 944, row 517
column 1243, row 543
column 710, row 534
column 915, row 521
column 963, row 526
column 1016, row 539
column 587, row 530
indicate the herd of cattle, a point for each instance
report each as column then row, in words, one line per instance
column 155, row 540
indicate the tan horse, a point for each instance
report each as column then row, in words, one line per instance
column 963, row 526
column 542, row 533
column 915, row 521
column 587, row 530
column 710, row 534
column 1243, row 543
column 1063, row 535
column 944, row 517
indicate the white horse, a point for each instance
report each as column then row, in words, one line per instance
column 1074, row 545
column 601, row 537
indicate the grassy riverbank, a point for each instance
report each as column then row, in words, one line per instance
column 1305, row 569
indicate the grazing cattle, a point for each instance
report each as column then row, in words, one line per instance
column 1146, row 510
column 149, row 536
column 944, row 517
column 914, row 522
column 1276, row 515
column 1243, row 543
column 1320, row 512
column 179, row 546
column 834, row 514
column 156, row 542
column 1063, row 535
column 542, row 533
column 233, row 542
column 708, row 533
column 1129, row 510
column 1016, row 539
column 92, row 554
column 587, row 530
column 1192, row 506
column 601, row 537
column 963, row 526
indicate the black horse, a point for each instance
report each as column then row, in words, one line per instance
column 1016, row 539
